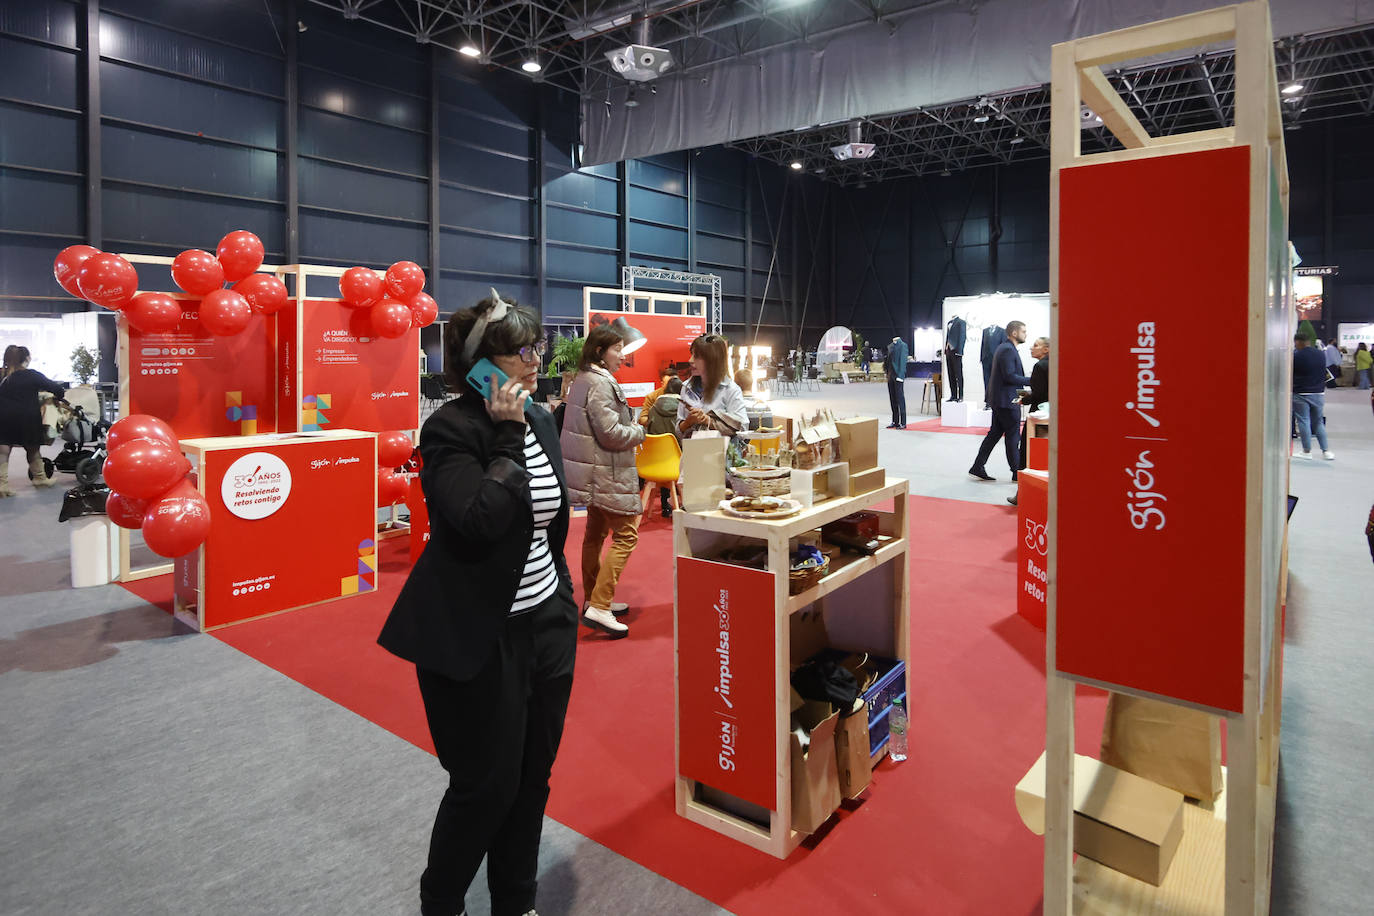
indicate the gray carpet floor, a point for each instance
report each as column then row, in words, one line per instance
column 145, row 769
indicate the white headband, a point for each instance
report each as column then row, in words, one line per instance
column 494, row 314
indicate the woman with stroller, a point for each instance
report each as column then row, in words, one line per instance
column 21, row 421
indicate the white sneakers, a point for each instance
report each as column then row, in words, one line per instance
column 1329, row 455
column 1307, row 455
column 601, row 619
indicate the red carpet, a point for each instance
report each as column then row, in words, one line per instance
column 933, row 426
column 938, row 834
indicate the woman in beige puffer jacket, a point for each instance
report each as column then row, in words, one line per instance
column 599, row 439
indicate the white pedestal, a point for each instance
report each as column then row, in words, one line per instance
column 94, row 551
column 964, row 413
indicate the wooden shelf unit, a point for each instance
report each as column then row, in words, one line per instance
column 880, row 627
column 1224, row 863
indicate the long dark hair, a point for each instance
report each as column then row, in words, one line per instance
column 712, row 349
column 15, row 357
column 519, row 328
column 601, row 339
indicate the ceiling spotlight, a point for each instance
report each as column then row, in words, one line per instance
column 1292, row 88
column 1292, row 100
column 470, row 50
column 301, row 26
column 944, row 173
column 1016, row 140
column 796, row 165
column 631, row 100
column 532, row 66
column 982, row 118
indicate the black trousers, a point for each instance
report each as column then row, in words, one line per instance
column 497, row 735
column 954, row 371
column 896, row 396
column 1006, row 425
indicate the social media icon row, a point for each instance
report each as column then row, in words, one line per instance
column 170, row 371
column 252, row 588
column 178, row 351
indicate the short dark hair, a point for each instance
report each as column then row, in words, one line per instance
column 601, row 339
column 1303, row 336
column 674, row 386
column 519, row 328
column 1014, row 326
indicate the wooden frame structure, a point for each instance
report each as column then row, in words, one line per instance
column 1244, row 816
column 704, row 534
column 630, row 299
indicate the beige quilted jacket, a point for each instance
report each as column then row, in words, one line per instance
column 599, row 439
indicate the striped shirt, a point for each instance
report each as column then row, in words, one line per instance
column 540, row 579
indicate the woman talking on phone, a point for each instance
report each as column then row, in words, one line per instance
column 487, row 614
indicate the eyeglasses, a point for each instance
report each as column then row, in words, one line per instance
column 534, row 352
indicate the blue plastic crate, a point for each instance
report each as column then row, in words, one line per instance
column 890, row 685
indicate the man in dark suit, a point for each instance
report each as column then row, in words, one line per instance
column 1005, row 380
column 956, row 333
column 894, row 367
column 1039, row 391
column 992, row 339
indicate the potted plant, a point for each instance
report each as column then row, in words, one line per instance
column 567, row 353
column 84, row 363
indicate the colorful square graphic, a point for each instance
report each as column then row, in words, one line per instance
column 366, row 578
column 313, row 407
column 245, row 415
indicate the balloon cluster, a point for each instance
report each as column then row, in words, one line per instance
column 110, row 280
column 389, row 305
column 150, row 489
column 393, row 450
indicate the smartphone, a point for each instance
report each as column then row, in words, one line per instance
column 484, row 375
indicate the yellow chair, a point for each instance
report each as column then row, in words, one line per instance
column 659, row 461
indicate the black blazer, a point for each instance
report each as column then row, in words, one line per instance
column 455, row 602
column 1006, row 376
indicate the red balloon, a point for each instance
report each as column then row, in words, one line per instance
column 153, row 313
column 197, row 272
column 391, row 487
column 108, row 280
column 68, row 263
column 390, row 318
column 177, row 523
column 225, row 313
column 144, row 468
column 125, row 511
column 360, row 287
column 138, row 426
column 266, row 295
column 240, row 254
column 424, row 309
column 360, row 324
column 404, row 279
column 393, row 449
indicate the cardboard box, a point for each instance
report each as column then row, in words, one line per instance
column 851, row 752
column 1125, row 822
column 815, row 772
column 867, row 481
column 858, row 443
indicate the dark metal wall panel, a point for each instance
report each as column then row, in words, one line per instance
column 130, row 94
column 38, row 138
column 482, row 134
column 248, row 24
column 333, row 136
column 656, row 206
column 330, row 238
column 138, row 154
column 485, row 212
column 583, row 228
column 52, row 21
column 714, row 250
column 589, row 267
column 658, row 241
column 498, row 99
column 580, row 189
column 479, row 254
column 357, row 99
column 35, row 202
column 486, row 171
column 720, row 220
column 457, row 291
column 658, row 178
column 339, row 187
column 563, row 304
column 140, row 42
column 173, row 220
column 38, row 74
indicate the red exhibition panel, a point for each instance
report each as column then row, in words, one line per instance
column 726, row 689
column 293, row 524
column 348, row 378
column 203, row 385
column 1032, row 512
column 1151, row 425
column 668, row 341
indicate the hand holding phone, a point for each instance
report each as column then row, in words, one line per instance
column 501, row 395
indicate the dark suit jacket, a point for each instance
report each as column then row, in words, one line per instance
column 1006, row 377
column 894, row 363
column 455, row 602
column 956, row 333
column 992, row 339
column 1039, row 383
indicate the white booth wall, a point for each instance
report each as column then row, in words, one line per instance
column 51, row 340
column 992, row 310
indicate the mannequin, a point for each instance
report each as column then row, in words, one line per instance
column 992, row 339
column 894, row 367
column 956, row 333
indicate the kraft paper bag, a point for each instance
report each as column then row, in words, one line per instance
column 1171, row 745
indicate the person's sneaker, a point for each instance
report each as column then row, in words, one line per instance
column 979, row 474
column 1329, row 455
column 1302, row 454
column 598, row 619
column 1012, row 500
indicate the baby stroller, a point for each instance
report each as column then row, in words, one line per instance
column 79, row 422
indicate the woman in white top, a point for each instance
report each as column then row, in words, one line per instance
column 709, row 400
